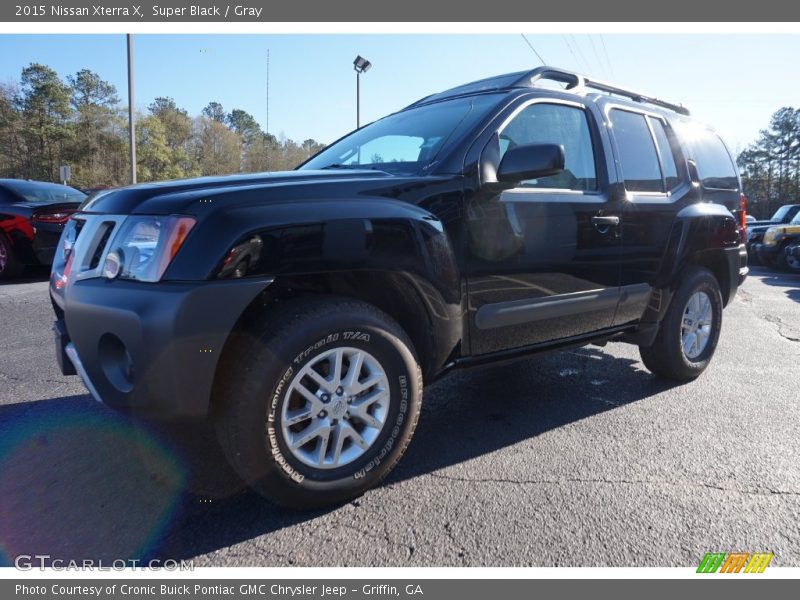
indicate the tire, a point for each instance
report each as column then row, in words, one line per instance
column 789, row 264
column 258, row 392
column 752, row 259
column 667, row 357
column 9, row 265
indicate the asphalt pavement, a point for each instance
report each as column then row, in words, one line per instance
column 577, row 458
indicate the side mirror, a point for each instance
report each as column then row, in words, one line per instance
column 531, row 161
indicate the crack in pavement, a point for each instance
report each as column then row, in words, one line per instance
column 793, row 337
column 761, row 492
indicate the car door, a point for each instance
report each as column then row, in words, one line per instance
column 657, row 185
column 542, row 259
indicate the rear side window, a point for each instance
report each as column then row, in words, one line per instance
column 637, row 152
column 714, row 164
column 669, row 163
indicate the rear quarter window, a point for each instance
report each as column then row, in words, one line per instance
column 714, row 164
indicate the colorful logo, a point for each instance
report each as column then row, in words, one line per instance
column 734, row 562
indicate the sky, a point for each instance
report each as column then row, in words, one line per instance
column 733, row 82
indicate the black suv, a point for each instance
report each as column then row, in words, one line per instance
column 303, row 311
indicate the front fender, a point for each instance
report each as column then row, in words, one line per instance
column 369, row 241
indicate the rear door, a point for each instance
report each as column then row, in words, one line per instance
column 656, row 181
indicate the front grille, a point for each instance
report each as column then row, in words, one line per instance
column 100, row 249
column 93, row 234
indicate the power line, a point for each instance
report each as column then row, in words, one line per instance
column 586, row 66
column 608, row 60
column 527, row 41
column 572, row 52
column 597, row 56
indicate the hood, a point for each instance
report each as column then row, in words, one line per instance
column 182, row 195
column 761, row 226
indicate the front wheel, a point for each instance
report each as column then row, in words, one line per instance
column 316, row 401
column 688, row 335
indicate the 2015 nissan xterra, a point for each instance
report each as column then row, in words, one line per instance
column 303, row 311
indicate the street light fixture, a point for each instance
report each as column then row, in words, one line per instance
column 361, row 65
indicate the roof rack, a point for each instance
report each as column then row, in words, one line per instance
column 580, row 83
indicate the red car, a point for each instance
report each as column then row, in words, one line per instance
column 32, row 217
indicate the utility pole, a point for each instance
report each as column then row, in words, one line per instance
column 131, row 112
column 266, row 123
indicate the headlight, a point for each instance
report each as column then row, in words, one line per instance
column 771, row 236
column 144, row 247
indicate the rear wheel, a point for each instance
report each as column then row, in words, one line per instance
column 317, row 402
column 789, row 262
column 9, row 265
column 688, row 335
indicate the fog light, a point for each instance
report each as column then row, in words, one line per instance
column 112, row 266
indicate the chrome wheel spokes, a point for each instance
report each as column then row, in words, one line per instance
column 335, row 407
column 696, row 325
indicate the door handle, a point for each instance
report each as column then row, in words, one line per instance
column 605, row 221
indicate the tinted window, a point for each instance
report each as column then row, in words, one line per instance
column 39, row 192
column 714, row 164
column 637, row 152
column 667, row 152
column 784, row 213
column 556, row 124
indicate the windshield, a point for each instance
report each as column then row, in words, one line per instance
column 408, row 141
column 38, row 192
column 780, row 213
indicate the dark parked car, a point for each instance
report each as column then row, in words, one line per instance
column 481, row 224
column 756, row 230
column 32, row 217
column 775, row 248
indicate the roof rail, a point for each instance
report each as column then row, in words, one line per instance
column 580, row 83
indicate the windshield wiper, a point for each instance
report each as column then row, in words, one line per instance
column 341, row 166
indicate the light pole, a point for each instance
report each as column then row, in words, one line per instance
column 131, row 114
column 361, row 65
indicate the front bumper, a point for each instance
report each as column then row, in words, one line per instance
column 767, row 254
column 149, row 349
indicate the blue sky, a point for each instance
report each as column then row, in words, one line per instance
column 733, row 82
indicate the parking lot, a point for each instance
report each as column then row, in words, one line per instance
column 578, row 458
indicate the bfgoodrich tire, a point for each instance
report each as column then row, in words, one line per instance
column 316, row 400
column 689, row 333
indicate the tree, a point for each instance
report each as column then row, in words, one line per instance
column 218, row 149
column 46, row 112
column 770, row 166
column 154, row 160
column 12, row 146
column 98, row 149
column 89, row 89
column 244, row 124
column 177, row 133
column 215, row 112
column 45, row 122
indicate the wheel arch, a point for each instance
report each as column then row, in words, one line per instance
column 412, row 302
